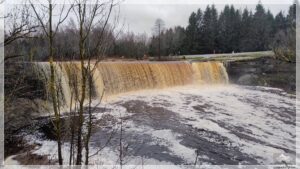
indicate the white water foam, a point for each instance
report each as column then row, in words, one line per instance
column 255, row 109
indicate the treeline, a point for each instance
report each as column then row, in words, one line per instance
column 232, row 30
column 65, row 44
column 208, row 31
column 125, row 45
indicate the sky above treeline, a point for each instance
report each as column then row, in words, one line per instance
column 138, row 16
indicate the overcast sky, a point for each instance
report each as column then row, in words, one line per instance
column 140, row 18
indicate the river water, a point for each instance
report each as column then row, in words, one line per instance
column 213, row 125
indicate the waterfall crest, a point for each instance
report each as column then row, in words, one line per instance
column 110, row 78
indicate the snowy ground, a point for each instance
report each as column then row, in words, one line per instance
column 217, row 125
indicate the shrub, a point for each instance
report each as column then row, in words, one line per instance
column 284, row 45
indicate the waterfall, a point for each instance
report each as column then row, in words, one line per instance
column 113, row 78
column 210, row 73
column 124, row 77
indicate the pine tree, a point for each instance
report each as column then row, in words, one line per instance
column 191, row 33
column 229, row 29
column 214, row 29
column 236, row 24
column 199, row 33
column 223, row 29
column 291, row 17
column 210, row 29
column 261, row 29
column 178, row 41
column 280, row 22
column 246, row 41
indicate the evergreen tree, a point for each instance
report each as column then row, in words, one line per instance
column 231, row 31
column 236, row 24
column 191, row 33
column 284, row 42
column 153, row 49
column 261, row 29
column 270, row 25
column 178, row 41
column 168, row 46
column 199, row 32
column 227, row 29
column 280, row 22
column 210, row 29
column 223, row 29
column 246, row 38
column 291, row 17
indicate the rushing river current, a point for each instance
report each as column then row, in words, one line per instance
column 223, row 124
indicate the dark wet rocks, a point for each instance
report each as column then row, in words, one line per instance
column 138, row 145
column 203, row 112
column 217, row 148
column 155, row 117
column 34, row 159
column 248, row 135
column 285, row 114
column 264, row 71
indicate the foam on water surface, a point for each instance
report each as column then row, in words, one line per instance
column 226, row 124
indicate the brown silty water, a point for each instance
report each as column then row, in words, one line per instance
column 112, row 78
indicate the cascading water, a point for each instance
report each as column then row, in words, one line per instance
column 113, row 78
column 210, row 73
column 124, row 77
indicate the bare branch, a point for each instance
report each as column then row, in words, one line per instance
column 62, row 19
column 40, row 20
column 19, row 25
column 12, row 56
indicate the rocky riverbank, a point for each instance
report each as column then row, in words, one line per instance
column 263, row 71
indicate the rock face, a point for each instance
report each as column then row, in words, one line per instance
column 264, row 71
column 247, row 79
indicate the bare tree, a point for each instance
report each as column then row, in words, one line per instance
column 19, row 25
column 50, row 32
column 88, row 16
column 158, row 29
column 71, row 70
column 103, row 41
column 130, row 45
column 284, row 45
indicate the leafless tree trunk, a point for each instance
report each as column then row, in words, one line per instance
column 121, row 147
column 88, row 15
column 81, row 12
column 53, row 88
column 91, row 68
column 50, row 35
column 72, row 131
column 73, row 81
column 88, row 136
